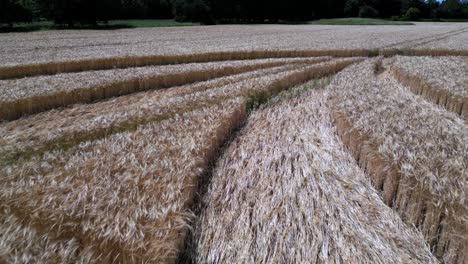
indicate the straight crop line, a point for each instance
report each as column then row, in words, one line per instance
column 254, row 99
column 132, row 248
column 438, row 96
column 425, row 40
column 19, row 71
column 11, row 110
column 112, row 248
column 405, row 195
column 369, row 115
column 66, row 143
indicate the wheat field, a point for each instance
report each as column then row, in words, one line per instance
column 441, row 80
column 235, row 144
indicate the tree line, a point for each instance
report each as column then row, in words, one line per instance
column 71, row 12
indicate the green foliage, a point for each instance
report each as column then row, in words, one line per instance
column 454, row 9
column 13, row 11
column 161, row 9
column 192, row 10
column 33, row 7
column 412, row 14
column 368, row 11
column 90, row 12
column 351, row 7
column 367, row 7
column 433, row 9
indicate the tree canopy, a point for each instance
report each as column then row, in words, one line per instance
column 224, row 11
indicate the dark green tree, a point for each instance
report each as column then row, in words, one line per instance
column 72, row 12
column 368, row 11
column 433, row 9
column 352, row 8
column 159, row 9
column 388, row 8
column 454, row 9
column 12, row 11
column 192, row 10
column 412, row 14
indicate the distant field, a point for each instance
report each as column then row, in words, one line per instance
column 234, row 144
column 70, row 50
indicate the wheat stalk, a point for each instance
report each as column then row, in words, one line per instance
column 58, row 129
column 53, row 52
column 287, row 191
column 126, row 196
column 414, row 152
column 32, row 95
column 440, row 80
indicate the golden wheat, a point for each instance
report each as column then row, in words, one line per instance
column 59, row 129
column 420, row 44
column 198, row 39
column 54, row 52
column 126, row 197
column 456, row 42
column 20, row 243
column 441, row 80
column 36, row 94
column 286, row 191
column 122, row 176
column 415, row 152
